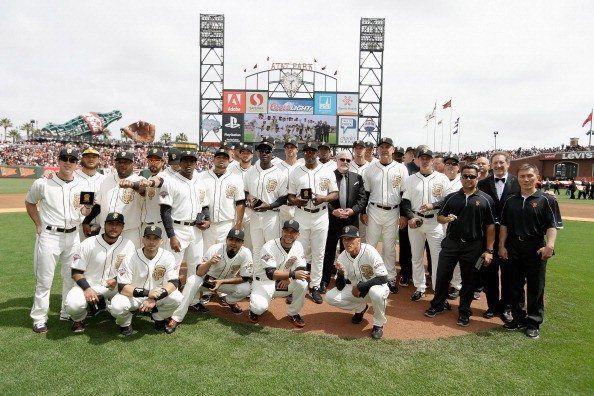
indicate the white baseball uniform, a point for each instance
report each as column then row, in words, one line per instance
column 273, row 255
column 330, row 165
column 313, row 220
column 152, row 208
column 100, row 261
column 266, row 185
column 93, row 183
column 223, row 193
column 59, row 206
column 367, row 265
column 287, row 212
column 247, row 214
column 238, row 266
column 141, row 272
column 419, row 189
column 125, row 201
column 384, row 185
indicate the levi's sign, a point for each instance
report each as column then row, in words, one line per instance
column 578, row 155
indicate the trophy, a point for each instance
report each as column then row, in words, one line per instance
column 306, row 194
column 87, row 198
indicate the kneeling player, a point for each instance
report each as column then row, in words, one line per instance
column 147, row 283
column 94, row 269
column 280, row 272
column 361, row 278
column 226, row 268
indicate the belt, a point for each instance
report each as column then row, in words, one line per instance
column 154, row 222
column 58, row 229
column 430, row 216
column 523, row 238
column 384, row 207
column 186, row 223
column 314, row 210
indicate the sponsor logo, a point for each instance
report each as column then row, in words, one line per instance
column 325, row 104
column 347, row 104
column 291, row 106
column 232, row 123
column 369, row 125
column 257, row 102
column 233, row 102
column 348, row 130
column 578, row 155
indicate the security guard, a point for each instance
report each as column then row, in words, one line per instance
column 526, row 220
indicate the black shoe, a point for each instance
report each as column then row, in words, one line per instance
column 506, row 316
column 533, row 333
column 315, row 295
column 199, row 307
column 403, row 282
column 323, row 287
column 289, row 299
column 453, row 293
column 235, row 309
column 40, row 328
column 477, row 295
column 513, row 325
column 431, row 312
column 417, row 295
column 377, row 332
column 160, row 325
column 205, row 299
column 463, row 321
column 78, row 327
column 171, row 326
column 393, row 286
column 297, row 320
column 254, row 318
column 489, row 314
column 125, row 331
column 358, row 316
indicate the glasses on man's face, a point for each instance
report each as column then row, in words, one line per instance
column 345, row 160
column 265, row 151
column 451, row 163
column 72, row 160
column 470, row 177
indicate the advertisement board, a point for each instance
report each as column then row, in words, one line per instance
column 233, row 102
column 347, row 130
column 281, row 126
column 233, row 128
column 29, row 172
column 290, row 106
column 325, row 103
column 347, row 104
column 256, row 102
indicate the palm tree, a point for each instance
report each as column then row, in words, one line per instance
column 181, row 138
column 28, row 128
column 165, row 138
column 14, row 134
column 5, row 123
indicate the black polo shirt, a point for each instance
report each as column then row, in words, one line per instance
column 474, row 213
column 532, row 216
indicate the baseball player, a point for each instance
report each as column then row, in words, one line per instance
column 152, row 208
column 363, row 267
column 287, row 212
column 281, row 271
column 369, row 157
column 231, row 149
column 225, row 268
column 121, row 192
column 246, row 155
column 425, row 186
column 88, row 173
column 172, row 162
column 225, row 192
column 358, row 164
column 383, row 182
column 311, row 187
column 94, row 269
column 56, row 219
column 266, row 189
column 148, row 283
column 325, row 154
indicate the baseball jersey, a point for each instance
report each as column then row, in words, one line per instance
column 321, row 180
column 139, row 271
column 330, row 165
column 186, row 197
column 237, row 169
column 384, row 182
column 358, row 169
column 420, row 190
column 273, row 255
column 99, row 260
column 93, row 182
column 126, row 201
column 367, row 265
column 286, row 210
column 274, row 161
column 222, row 193
column 455, row 184
column 59, row 201
column 239, row 265
column 267, row 185
column 152, row 208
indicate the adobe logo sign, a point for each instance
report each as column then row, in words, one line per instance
column 233, row 102
column 256, row 102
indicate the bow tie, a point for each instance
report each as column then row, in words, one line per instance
column 502, row 179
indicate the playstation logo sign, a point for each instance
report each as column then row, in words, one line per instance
column 233, row 128
column 232, row 123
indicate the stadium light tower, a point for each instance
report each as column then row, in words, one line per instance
column 495, row 136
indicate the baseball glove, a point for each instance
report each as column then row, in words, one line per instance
column 140, row 131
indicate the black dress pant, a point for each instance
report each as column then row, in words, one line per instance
column 454, row 252
column 334, row 230
column 405, row 255
column 527, row 268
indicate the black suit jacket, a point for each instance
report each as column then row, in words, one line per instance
column 356, row 196
column 488, row 186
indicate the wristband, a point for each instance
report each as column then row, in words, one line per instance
column 489, row 251
column 140, row 292
column 83, row 284
column 135, row 185
column 292, row 274
column 164, row 293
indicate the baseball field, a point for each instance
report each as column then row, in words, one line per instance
column 216, row 356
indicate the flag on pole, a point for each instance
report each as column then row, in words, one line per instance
column 447, row 104
column 587, row 120
column 255, row 66
column 455, row 132
column 457, row 121
column 432, row 114
column 439, row 122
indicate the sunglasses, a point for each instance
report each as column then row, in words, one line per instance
column 345, row 160
column 471, row 177
column 451, row 163
column 265, row 151
column 72, row 160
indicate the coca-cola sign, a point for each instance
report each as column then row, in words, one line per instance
column 290, row 106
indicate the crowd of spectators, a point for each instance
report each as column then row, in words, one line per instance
column 527, row 152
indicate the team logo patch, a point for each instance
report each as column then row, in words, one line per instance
column 230, row 191
column 266, row 257
column 437, row 190
column 290, row 262
column 271, row 185
column 127, row 196
column 367, row 271
column 534, row 205
column 76, row 257
column 163, row 194
column 396, row 181
column 151, row 192
column 249, row 267
column 76, row 201
column 201, row 195
column 119, row 260
column 477, row 203
column 234, row 270
column 324, row 184
column 122, row 271
column 158, row 272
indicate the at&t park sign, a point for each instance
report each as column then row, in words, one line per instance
column 291, row 65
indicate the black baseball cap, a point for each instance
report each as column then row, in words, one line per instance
column 267, row 142
column 369, row 144
column 114, row 216
column 291, row 141
column 323, row 144
column 292, row 224
column 350, row 231
column 358, row 143
column 188, row 153
column 409, row 149
column 229, row 145
column 312, row 146
column 69, row 152
column 155, row 152
column 221, row 151
column 125, row 155
column 173, row 155
column 237, row 234
column 399, row 150
column 386, row 140
column 153, row 230
column 451, row 156
column 243, row 146
column 425, row 151
column 469, row 158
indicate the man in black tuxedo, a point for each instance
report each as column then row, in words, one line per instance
column 500, row 186
column 342, row 212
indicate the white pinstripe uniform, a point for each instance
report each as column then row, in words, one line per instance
column 456, row 281
column 238, row 266
column 267, row 185
column 288, row 212
column 125, row 201
column 247, row 214
column 419, row 190
column 93, row 184
column 152, row 209
column 330, row 165
column 100, row 261
column 313, row 219
column 353, row 167
column 139, row 271
column 223, row 192
column 384, row 184
column 59, row 207
column 273, row 255
column 367, row 265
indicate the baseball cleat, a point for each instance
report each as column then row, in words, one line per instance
column 533, row 333
column 358, row 316
column 489, row 314
column 403, row 282
column 513, row 325
column 297, row 320
column 323, row 287
column 125, row 331
column 377, row 332
column 477, row 295
column 40, row 328
column 235, row 309
column 205, row 299
column 315, row 295
column 417, row 295
column 506, row 316
column 463, row 321
column 199, row 307
column 64, row 317
column 453, row 293
column 254, row 318
column 432, row 312
column 393, row 286
column 78, row 327
column 159, row 325
column 171, row 326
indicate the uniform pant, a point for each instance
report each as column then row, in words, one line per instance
column 263, row 291
column 377, row 296
column 216, row 233
column 134, row 234
column 527, row 268
column 193, row 286
column 121, row 307
column 286, row 212
column 404, row 257
column 362, row 231
column 384, row 223
column 313, row 231
column 191, row 252
column 51, row 247
column 432, row 233
column 463, row 255
column 264, row 226
column 76, row 304
column 246, row 225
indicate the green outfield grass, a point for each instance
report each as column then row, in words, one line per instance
column 562, row 198
column 210, row 355
column 15, row 186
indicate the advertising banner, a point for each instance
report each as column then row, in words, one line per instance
column 347, row 130
column 256, row 102
column 233, row 102
column 282, row 126
column 347, row 104
column 233, row 128
column 28, row 172
column 325, row 103
column 290, row 106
